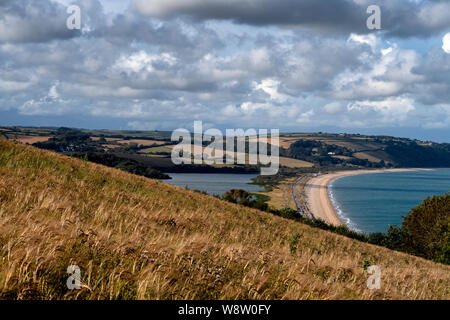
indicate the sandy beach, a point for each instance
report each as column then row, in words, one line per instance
column 318, row 200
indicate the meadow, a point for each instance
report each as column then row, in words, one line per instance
column 137, row 238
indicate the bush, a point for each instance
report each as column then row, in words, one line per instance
column 426, row 229
column 246, row 199
column 377, row 238
column 293, row 243
column 289, row 213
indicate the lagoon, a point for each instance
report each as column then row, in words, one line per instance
column 214, row 183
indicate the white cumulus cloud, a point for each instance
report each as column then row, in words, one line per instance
column 446, row 43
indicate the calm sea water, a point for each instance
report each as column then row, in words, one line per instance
column 214, row 183
column 372, row 202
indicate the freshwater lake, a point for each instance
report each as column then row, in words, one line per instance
column 214, row 183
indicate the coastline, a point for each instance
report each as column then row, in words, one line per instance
column 318, row 197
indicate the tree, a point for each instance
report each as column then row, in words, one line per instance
column 427, row 229
column 237, row 196
column 246, row 199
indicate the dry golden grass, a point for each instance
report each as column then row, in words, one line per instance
column 143, row 142
column 342, row 157
column 286, row 142
column 281, row 196
column 32, row 139
column 282, row 141
column 156, row 150
column 364, row 155
column 294, row 163
column 136, row 238
column 107, row 147
column 119, row 141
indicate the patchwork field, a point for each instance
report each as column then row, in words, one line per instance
column 294, row 163
column 153, row 150
column 30, row 139
column 367, row 155
column 318, row 150
column 142, row 142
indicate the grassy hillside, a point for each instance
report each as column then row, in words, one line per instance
column 136, row 238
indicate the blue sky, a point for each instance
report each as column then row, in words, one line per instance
column 304, row 65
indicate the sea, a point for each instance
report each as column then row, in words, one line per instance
column 372, row 202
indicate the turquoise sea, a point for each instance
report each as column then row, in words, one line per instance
column 372, row 202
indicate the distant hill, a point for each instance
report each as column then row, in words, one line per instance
column 299, row 151
column 365, row 151
column 137, row 238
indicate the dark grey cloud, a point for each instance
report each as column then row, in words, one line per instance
column 435, row 70
column 168, row 37
column 29, row 21
column 324, row 14
column 400, row 18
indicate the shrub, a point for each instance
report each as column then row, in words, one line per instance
column 426, row 229
column 293, row 243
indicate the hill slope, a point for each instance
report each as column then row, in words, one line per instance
column 137, row 238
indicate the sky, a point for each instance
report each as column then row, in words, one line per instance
column 292, row 65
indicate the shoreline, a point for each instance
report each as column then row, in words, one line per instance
column 318, row 198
